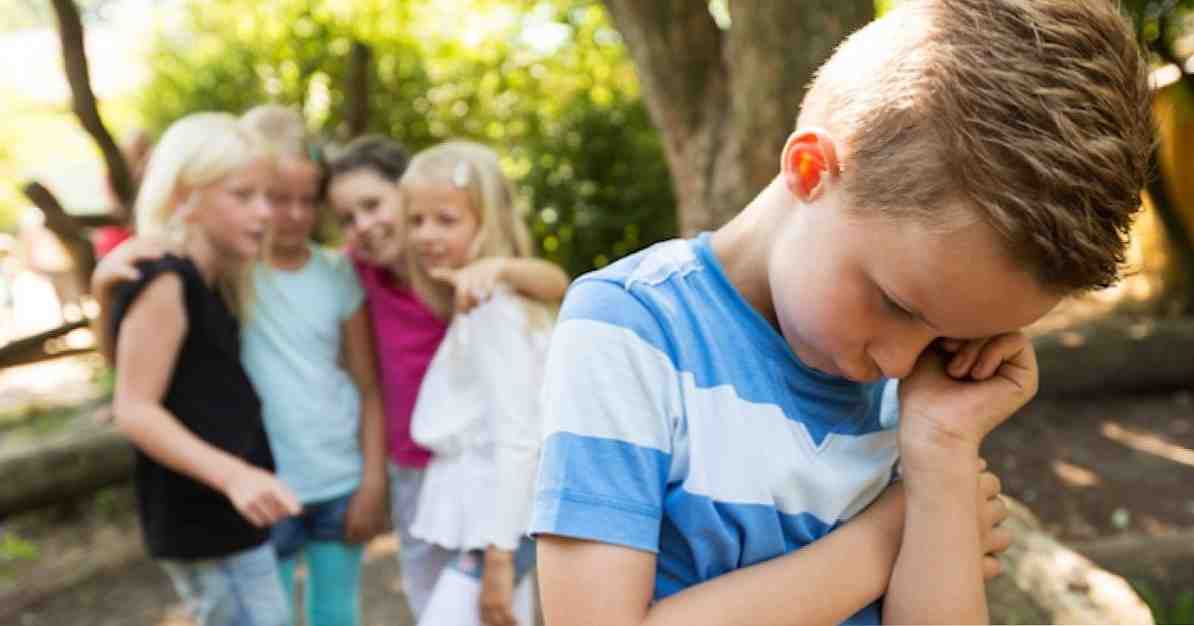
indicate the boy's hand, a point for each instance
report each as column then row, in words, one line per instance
column 260, row 497
column 366, row 515
column 474, row 283
column 119, row 265
column 992, row 512
column 497, row 588
column 942, row 416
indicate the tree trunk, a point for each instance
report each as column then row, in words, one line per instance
column 725, row 100
column 356, row 91
column 74, row 59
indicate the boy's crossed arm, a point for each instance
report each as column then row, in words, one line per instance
column 938, row 577
column 587, row 582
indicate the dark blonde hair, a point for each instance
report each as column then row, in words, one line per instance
column 1034, row 113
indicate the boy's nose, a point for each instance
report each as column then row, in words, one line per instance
column 900, row 357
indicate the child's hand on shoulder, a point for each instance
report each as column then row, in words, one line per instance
column 260, row 497
column 120, row 265
column 474, row 283
column 959, row 392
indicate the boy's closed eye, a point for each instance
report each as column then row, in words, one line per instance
column 895, row 307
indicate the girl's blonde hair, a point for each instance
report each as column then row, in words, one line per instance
column 194, row 152
column 282, row 128
column 501, row 228
column 284, row 132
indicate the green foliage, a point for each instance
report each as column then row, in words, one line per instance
column 14, row 548
column 1176, row 610
column 546, row 83
column 11, row 201
column 1147, row 16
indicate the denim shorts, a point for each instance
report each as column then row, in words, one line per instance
column 241, row 589
column 321, row 521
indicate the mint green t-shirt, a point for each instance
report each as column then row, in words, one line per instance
column 291, row 349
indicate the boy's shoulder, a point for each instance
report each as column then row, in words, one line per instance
column 650, row 267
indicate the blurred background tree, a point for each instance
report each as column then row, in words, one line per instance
column 1165, row 27
column 548, row 84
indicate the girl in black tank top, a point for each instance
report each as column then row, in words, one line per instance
column 205, row 490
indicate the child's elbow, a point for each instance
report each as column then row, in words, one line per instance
column 125, row 412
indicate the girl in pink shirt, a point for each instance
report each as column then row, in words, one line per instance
column 362, row 190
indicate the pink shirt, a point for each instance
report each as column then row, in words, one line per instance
column 406, row 334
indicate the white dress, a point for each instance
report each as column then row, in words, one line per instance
column 479, row 412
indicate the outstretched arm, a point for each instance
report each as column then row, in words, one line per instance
column 534, row 278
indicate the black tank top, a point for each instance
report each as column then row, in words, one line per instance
column 211, row 395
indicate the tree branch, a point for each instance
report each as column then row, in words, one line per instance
column 74, row 58
column 68, row 231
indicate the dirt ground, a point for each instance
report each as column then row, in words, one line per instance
column 1089, row 468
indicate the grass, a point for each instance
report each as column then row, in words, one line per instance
column 1177, row 608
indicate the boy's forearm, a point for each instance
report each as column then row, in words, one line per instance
column 938, row 575
column 823, row 583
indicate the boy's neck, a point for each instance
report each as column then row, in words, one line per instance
column 743, row 246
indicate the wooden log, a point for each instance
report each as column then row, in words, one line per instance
column 1118, row 356
column 83, row 460
column 1045, row 582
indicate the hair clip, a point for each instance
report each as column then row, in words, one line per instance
column 460, row 175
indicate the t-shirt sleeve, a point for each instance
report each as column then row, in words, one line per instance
column 124, row 294
column 610, row 400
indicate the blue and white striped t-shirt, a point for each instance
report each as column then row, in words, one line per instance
column 678, row 421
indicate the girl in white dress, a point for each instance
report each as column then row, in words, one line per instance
column 478, row 408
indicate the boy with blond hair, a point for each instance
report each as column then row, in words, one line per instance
column 723, row 421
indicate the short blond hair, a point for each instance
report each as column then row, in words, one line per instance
column 194, row 152
column 1036, row 113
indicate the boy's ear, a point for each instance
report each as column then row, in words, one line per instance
column 809, row 162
